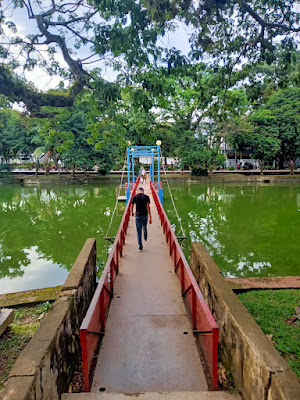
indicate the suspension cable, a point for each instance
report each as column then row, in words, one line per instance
column 172, row 199
column 114, row 211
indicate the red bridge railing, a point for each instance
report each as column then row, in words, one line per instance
column 93, row 325
column 203, row 322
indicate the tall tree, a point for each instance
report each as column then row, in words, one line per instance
column 285, row 107
column 264, row 140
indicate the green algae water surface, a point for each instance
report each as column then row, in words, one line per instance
column 248, row 230
column 42, row 231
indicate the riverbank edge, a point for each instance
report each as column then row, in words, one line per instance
column 237, row 177
column 258, row 370
column 34, row 296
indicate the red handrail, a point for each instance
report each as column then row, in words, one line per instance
column 203, row 322
column 93, row 325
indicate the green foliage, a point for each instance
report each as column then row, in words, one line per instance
column 4, row 169
column 15, row 135
column 275, row 313
column 285, row 107
column 264, row 140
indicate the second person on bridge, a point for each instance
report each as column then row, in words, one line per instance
column 142, row 210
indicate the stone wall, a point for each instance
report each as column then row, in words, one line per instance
column 258, row 370
column 45, row 367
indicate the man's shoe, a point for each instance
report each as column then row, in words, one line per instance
column 141, row 248
column 145, row 238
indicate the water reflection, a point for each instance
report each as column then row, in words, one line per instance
column 43, row 229
column 249, row 230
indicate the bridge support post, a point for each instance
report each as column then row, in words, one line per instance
column 160, row 192
column 152, row 170
column 132, row 162
column 128, row 175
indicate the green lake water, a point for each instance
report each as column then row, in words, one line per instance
column 249, row 230
column 42, row 231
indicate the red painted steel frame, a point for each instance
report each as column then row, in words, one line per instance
column 93, row 324
column 203, row 322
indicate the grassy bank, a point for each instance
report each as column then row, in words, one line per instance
column 277, row 312
column 14, row 339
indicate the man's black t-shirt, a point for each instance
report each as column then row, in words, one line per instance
column 141, row 200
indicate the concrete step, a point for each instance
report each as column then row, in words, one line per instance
column 153, row 396
column 6, row 317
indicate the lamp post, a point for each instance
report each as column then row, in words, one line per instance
column 158, row 171
column 152, row 166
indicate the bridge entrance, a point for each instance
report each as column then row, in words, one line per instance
column 159, row 332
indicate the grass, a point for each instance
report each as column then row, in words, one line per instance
column 21, row 330
column 275, row 312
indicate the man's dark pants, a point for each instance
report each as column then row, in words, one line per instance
column 141, row 223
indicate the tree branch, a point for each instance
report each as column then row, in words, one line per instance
column 264, row 23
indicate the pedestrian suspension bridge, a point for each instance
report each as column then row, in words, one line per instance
column 148, row 332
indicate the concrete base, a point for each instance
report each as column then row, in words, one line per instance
column 6, row 317
column 153, row 396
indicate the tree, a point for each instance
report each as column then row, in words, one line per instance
column 230, row 30
column 55, row 135
column 285, row 107
column 264, row 139
column 82, row 155
column 237, row 133
column 15, row 137
column 105, row 29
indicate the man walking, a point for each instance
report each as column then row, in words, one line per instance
column 142, row 210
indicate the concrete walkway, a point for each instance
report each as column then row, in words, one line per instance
column 148, row 345
column 148, row 350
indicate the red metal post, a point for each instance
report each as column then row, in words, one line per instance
column 85, row 362
column 112, row 272
column 102, row 312
column 194, row 310
column 182, row 275
column 215, row 333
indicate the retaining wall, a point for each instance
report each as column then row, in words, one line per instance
column 258, row 370
column 44, row 369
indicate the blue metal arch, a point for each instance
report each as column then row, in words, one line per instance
column 138, row 151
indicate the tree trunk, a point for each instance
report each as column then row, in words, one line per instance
column 47, row 168
column 37, row 167
column 55, row 159
column 262, row 164
column 281, row 157
column 73, row 173
column 292, row 166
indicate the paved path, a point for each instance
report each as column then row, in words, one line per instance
column 148, row 345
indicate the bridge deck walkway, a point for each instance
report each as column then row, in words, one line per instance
column 148, row 345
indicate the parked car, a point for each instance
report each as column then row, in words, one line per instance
column 242, row 164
